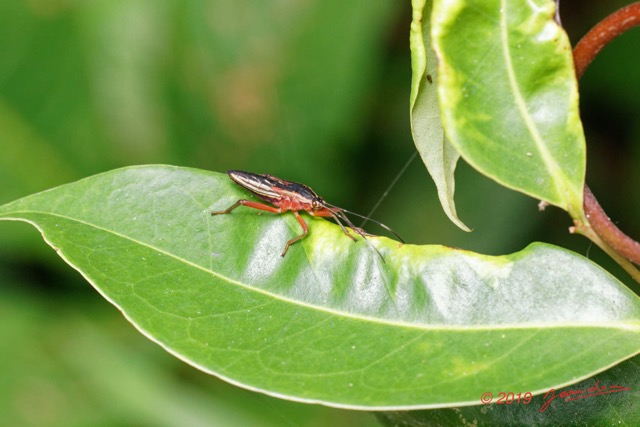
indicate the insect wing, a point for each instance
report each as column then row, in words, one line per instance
column 264, row 186
column 294, row 191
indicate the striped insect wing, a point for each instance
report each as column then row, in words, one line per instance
column 262, row 185
column 299, row 191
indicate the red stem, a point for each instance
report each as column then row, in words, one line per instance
column 584, row 52
column 603, row 33
column 607, row 230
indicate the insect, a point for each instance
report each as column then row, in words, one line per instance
column 291, row 196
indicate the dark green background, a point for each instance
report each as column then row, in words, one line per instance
column 313, row 91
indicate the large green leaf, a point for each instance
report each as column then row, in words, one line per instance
column 334, row 321
column 57, row 350
column 437, row 153
column 509, row 97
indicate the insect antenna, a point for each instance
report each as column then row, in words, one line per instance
column 337, row 216
column 339, row 212
column 387, row 191
column 350, row 224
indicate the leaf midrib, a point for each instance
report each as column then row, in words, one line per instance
column 546, row 156
column 621, row 324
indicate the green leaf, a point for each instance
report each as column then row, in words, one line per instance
column 59, row 347
column 335, row 321
column 509, row 97
column 437, row 153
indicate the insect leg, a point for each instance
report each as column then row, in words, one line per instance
column 250, row 204
column 340, row 213
column 305, row 231
column 346, row 219
column 344, row 212
column 334, row 214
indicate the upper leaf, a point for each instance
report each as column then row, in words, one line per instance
column 334, row 321
column 508, row 95
column 437, row 153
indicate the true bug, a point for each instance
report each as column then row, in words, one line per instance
column 291, row 196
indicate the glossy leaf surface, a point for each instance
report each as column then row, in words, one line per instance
column 509, row 97
column 335, row 321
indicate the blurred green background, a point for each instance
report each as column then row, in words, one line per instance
column 313, row 91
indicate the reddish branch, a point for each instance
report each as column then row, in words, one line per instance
column 603, row 33
column 602, row 225
column 584, row 52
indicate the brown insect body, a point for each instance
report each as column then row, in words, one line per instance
column 289, row 196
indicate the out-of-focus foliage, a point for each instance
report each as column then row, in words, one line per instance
column 315, row 91
column 89, row 86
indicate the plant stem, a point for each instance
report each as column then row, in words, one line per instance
column 600, row 229
column 603, row 33
column 608, row 231
column 587, row 231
